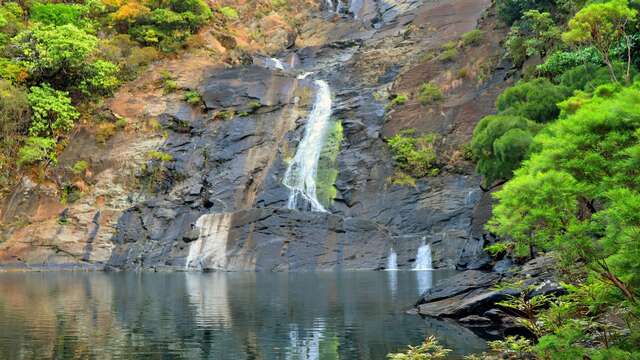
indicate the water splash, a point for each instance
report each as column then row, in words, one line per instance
column 423, row 258
column 273, row 63
column 300, row 176
column 392, row 261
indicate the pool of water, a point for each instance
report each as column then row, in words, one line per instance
column 326, row 315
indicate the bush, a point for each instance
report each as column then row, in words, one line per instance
column 500, row 143
column 473, row 37
column 430, row 349
column 159, row 156
column 37, row 149
column 193, row 97
column 398, row 99
column 448, row 55
column 414, row 155
column 509, row 11
column 57, row 14
column 229, row 13
column 57, row 54
column 101, row 78
column 53, row 113
column 105, row 132
column 429, row 93
column 535, row 100
column 80, row 167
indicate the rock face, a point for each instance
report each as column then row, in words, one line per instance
column 219, row 203
column 471, row 298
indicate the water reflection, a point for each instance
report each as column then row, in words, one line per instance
column 424, row 279
column 350, row 315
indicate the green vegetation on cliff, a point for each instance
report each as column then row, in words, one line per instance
column 58, row 57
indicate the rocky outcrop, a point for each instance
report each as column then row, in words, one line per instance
column 471, row 296
column 221, row 190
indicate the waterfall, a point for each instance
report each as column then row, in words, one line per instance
column 273, row 63
column 392, row 261
column 300, row 176
column 209, row 250
column 423, row 259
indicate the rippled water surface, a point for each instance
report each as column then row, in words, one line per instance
column 329, row 315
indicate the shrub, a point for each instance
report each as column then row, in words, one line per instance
column 509, row 11
column 193, row 97
column 398, row 99
column 37, row 149
column 535, row 100
column 429, row 93
column 448, row 55
column 100, row 79
column 473, row 37
column 80, row 167
column 500, row 143
column 55, row 53
column 57, row 14
column 53, row 113
column 430, row 349
column 105, row 131
column 229, row 13
column 414, row 155
column 159, row 156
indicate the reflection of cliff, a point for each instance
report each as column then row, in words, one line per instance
column 220, row 316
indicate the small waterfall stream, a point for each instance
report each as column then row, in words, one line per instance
column 423, row 258
column 300, row 176
column 273, row 63
column 392, row 261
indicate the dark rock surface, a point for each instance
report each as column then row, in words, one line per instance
column 220, row 204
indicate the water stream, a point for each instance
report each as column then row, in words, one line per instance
column 423, row 258
column 300, row 176
column 392, row 261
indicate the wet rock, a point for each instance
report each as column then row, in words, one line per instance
column 475, row 320
column 461, row 283
column 503, row 266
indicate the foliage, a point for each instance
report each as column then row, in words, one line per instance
column 57, row 14
column 37, row 149
column 414, row 155
column 54, row 53
column 328, row 165
column 448, row 55
column 399, row 99
column 510, row 11
column 229, row 12
column 535, row 34
column 560, row 61
column 80, row 167
column 588, row 158
column 159, row 156
column 535, row 100
column 500, row 143
column 473, row 37
column 430, row 349
column 53, row 113
column 429, row 93
column 193, row 97
column 105, row 131
column 100, row 79
column 601, row 25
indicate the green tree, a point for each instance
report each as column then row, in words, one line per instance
column 579, row 194
column 535, row 34
column 500, row 143
column 55, row 53
column 603, row 25
column 53, row 113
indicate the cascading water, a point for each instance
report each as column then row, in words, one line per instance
column 274, row 63
column 300, row 176
column 392, row 261
column 423, row 258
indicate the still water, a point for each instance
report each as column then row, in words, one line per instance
column 327, row 315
